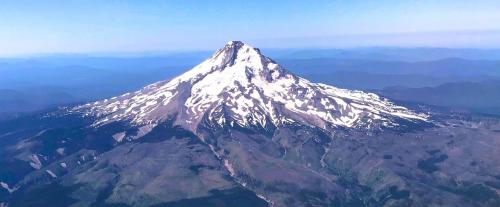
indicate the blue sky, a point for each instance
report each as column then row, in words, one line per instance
column 88, row 26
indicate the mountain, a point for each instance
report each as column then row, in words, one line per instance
column 12, row 101
column 239, row 86
column 409, row 54
column 481, row 97
column 375, row 81
column 457, row 67
column 241, row 130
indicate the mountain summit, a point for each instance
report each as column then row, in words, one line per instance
column 238, row 85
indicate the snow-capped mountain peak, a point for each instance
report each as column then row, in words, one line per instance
column 239, row 85
column 234, row 53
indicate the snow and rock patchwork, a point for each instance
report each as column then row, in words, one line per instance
column 35, row 162
column 6, row 187
column 238, row 85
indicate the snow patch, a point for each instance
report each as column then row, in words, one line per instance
column 229, row 168
column 52, row 174
column 6, row 187
column 119, row 136
column 271, row 204
column 35, row 162
column 60, row 151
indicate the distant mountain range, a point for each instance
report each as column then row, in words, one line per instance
column 35, row 99
column 417, row 54
column 437, row 68
column 482, row 97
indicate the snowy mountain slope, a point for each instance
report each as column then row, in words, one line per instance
column 238, row 85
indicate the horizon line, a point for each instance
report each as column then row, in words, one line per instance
column 163, row 53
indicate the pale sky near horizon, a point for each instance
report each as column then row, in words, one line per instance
column 91, row 26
